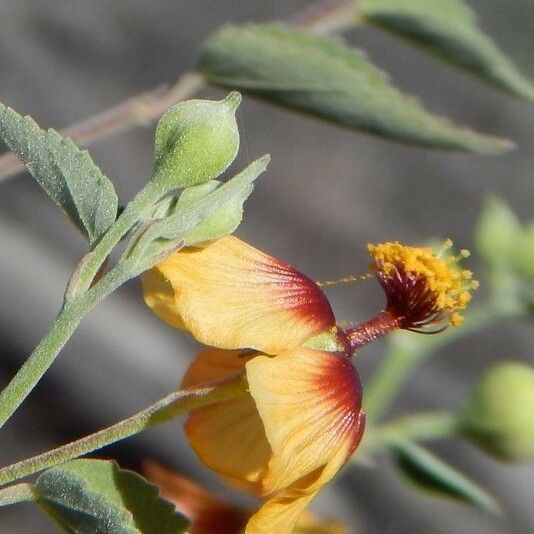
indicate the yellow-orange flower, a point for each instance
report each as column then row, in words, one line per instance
column 302, row 417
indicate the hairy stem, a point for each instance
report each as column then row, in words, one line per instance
column 136, row 111
column 62, row 329
column 17, row 493
column 164, row 410
column 128, row 218
column 80, row 299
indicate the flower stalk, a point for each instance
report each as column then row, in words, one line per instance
column 133, row 212
column 406, row 352
column 17, row 493
column 377, row 327
column 164, row 410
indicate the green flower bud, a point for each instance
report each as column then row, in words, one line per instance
column 499, row 414
column 196, row 141
column 524, row 253
column 497, row 232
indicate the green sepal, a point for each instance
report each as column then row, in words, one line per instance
column 223, row 222
column 206, row 213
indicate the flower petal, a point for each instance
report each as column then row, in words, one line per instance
column 283, row 511
column 215, row 364
column 227, row 436
column 279, row 514
column 310, row 405
column 231, row 295
column 159, row 297
column 207, row 513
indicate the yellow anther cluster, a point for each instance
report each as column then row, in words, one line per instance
column 449, row 285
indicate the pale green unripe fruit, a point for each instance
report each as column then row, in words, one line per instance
column 524, row 253
column 499, row 414
column 196, row 141
column 497, row 232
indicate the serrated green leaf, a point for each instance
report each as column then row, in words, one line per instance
column 325, row 78
column 66, row 173
column 448, row 29
column 431, row 475
column 95, row 496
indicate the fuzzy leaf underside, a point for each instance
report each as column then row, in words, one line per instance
column 67, row 174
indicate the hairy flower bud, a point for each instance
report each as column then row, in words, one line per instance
column 196, row 141
column 498, row 415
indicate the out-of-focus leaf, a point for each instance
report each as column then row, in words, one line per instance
column 323, row 77
column 66, row 173
column 431, row 475
column 524, row 253
column 91, row 496
column 448, row 29
column 507, row 247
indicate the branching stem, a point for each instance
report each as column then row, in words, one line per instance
column 62, row 329
column 80, row 296
column 17, row 493
column 164, row 410
column 325, row 16
column 139, row 110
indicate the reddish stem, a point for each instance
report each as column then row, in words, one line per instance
column 326, row 16
column 377, row 327
column 141, row 109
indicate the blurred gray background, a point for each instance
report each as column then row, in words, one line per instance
column 327, row 193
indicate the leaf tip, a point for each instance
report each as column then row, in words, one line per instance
column 487, row 145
